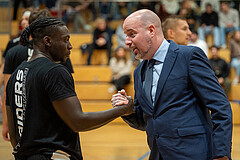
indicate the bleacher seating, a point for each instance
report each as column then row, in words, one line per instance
column 236, row 111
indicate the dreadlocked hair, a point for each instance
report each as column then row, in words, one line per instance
column 38, row 29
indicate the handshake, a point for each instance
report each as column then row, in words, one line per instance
column 121, row 100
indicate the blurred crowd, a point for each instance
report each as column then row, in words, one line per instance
column 219, row 18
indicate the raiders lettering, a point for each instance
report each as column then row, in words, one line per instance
column 18, row 101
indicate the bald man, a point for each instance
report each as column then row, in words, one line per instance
column 176, row 28
column 175, row 88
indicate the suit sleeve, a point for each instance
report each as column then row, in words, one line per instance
column 136, row 119
column 211, row 95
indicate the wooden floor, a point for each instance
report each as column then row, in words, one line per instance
column 116, row 142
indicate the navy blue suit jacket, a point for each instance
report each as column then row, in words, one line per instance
column 179, row 125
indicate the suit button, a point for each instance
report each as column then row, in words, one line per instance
column 156, row 136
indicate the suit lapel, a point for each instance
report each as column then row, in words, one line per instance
column 167, row 67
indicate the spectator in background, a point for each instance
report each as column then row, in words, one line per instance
column 176, row 28
column 121, row 9
column 102, row 39
column 121, row 67
column 234, row 44
column 105, row 9
column 172, row 6
column 23, row 24
column 228, row 21
column 195, row 41
column 162, row 11
column 214, row 3
column 73, row 9
column 221, row 69
column 121, row 36
column 187, row 12
column 209, row 25
column 146, row 5
column 16, row 3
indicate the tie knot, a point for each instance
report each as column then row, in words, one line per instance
column 151, row 62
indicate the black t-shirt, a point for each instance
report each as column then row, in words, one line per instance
column 13, row 42
column 17, row 54
column 30, row 91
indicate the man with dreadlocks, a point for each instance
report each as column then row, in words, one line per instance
column 43, row 110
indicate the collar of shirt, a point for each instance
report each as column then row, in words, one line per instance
column 162, row 51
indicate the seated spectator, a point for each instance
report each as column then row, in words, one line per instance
column 172, row 6
column 121, row 36
column 176, row 28
column 121, row 9
column 214, row 3
column 234, row 44
column 73, row 9
column 146, row 5
column 105, row 9
column 102, row 39
column 121, row 67
column 187, row 12
column 221, row 69
column 209, row 25
column 228, row 21
column 162, row 11
column 16, row 4
column 195, row 41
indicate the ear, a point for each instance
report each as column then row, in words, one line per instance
column 152, row 30
column 47, row 41
column 170, row 34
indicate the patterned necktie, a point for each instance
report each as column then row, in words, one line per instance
column 149, row 79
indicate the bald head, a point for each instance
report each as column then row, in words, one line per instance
column 144, row 33
column 146, row 17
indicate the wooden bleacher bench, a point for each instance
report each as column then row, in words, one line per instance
column 4, row 39
column 98, row 91
column 234, row 92
column 236, row 112
column 92, row 74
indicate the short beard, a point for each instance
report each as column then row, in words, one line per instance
column 141, row 54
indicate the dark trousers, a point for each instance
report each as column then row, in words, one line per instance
column 26, row 4
column 94, row 46
column 121, row 82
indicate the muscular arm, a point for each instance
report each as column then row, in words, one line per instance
column 5, row 123
column 69, row 109
column 11, row 127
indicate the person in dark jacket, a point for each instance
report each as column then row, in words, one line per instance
column 221, row 69
column 102, row 39
column 209, row 25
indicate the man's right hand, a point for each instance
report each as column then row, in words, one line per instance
column 121, row 99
